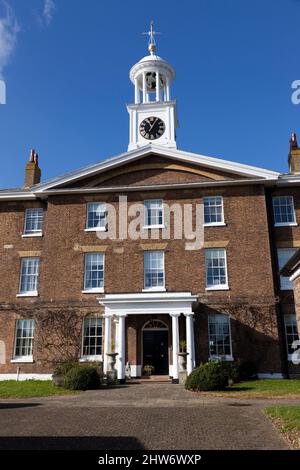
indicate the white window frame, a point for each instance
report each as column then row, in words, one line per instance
column 213, row 224
column 28, row 358
column 290, row 320
column 284, row 224
column 285, row 283
column 93, row 289
column 33, row 233
column 94, row 357
column 216, row 357
column 146, row 209
column 157, row 288
column 29, row 293
column 224, row 286
column 95, row 229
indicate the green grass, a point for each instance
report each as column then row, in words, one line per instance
column 289, row 416
column 30, row 388
column 263, row 388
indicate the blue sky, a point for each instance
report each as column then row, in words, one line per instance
column 66, row 64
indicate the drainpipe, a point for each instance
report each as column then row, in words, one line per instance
column 276, row 282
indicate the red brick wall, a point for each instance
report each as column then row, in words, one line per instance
column 62, row 264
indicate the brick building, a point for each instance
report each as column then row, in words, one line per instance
column 104, row 257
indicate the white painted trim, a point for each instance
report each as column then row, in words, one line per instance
column 33, row 234
column 148, row 303
column 120, row 189
column 223, row 358
column 25, row 377
column 23, row 359
column 15, row 196
column 154, row 289
column 28, row 294
column 218, row 287
column 286, row 224
column 275, row 375
column 295, row 275
column 96, row 229
column 93, row 291
column 150, row 227
column 215, row 224
column 91, row 358
column 126, row 157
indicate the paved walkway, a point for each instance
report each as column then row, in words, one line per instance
column 137, row 416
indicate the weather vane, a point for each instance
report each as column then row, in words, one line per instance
column 152, row 34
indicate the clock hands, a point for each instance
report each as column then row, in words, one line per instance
column 153, row 125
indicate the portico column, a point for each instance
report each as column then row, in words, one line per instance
column 121, row 348
column 107, row 339
column 175, row 345
column 189, row 318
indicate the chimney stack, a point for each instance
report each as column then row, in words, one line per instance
column 294, row 155
column 32, row 170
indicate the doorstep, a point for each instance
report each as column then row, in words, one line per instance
column 151, row 379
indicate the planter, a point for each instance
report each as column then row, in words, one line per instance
column 111, row 361
column 182, row 361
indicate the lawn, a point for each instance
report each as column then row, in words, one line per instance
column 263, row 388
column 287, row 420
column 30, row 388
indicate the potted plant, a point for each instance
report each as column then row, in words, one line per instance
column 182, row 355
column 148, row 370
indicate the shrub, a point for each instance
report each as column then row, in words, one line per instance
column 82, row 378
column 209, row 376
column 63, row 367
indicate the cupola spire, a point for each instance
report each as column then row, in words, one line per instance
column 152, row 43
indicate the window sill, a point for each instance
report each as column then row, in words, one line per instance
column 95, row 229
column 22, row 360
column 28, row 294
column 286, row 224
column 155, row 289
column 90, row 358
column 93, row 291
column 149, row 227
column 34, row 234
column 221, row 358
column 215, row 224
column 224, row 287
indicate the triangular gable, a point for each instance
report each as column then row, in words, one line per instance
column 209, row 166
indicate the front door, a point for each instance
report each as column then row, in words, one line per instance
column 155, row 350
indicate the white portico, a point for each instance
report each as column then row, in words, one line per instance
column 118, row 307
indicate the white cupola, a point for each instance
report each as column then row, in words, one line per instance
column 153, row 114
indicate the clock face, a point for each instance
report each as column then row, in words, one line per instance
column 152, row 128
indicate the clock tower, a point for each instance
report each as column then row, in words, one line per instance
column 153, row 114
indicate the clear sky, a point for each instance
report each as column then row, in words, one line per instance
column 66, row 64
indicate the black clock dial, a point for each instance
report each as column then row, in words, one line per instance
column 152, row 128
